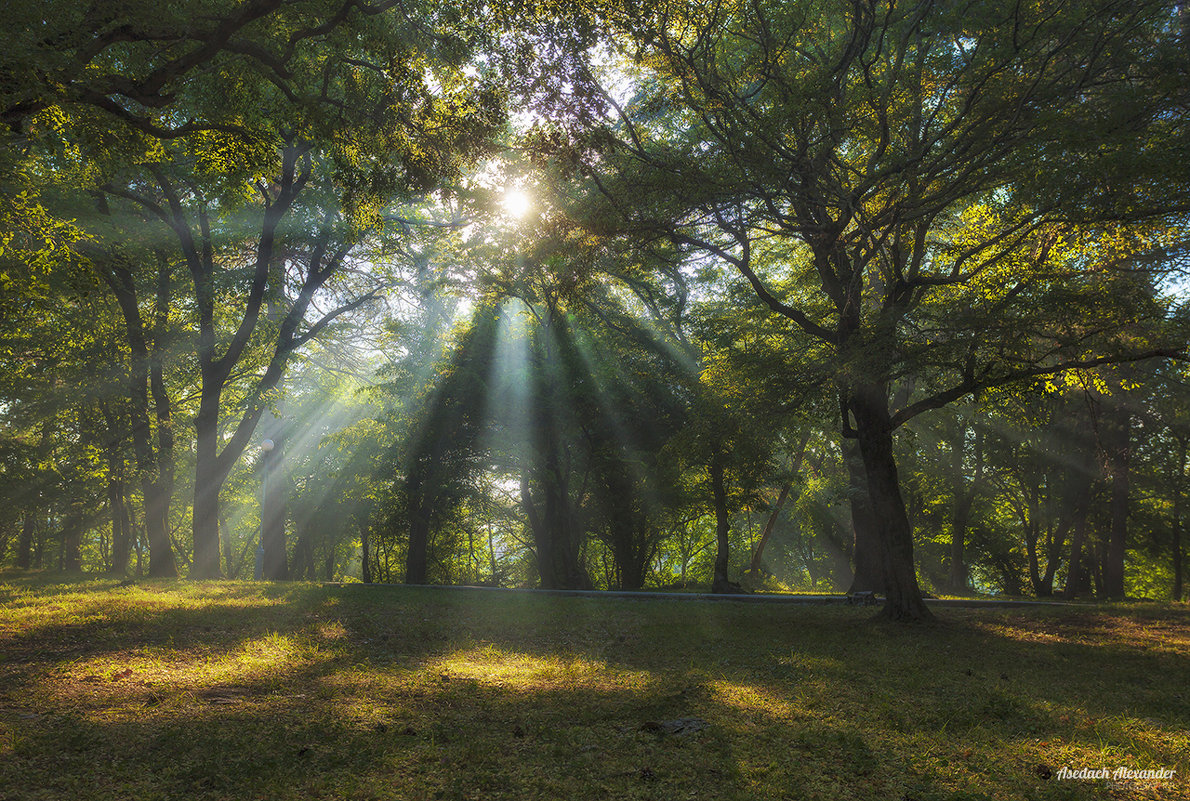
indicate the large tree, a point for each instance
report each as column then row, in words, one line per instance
column 900, row 180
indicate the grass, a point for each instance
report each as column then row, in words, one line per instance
column 165, row 690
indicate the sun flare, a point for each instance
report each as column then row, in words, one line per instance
column 517, row 203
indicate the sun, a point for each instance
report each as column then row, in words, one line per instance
column 517, row 203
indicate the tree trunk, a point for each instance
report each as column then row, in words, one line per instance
column 1032, row 535
column 1074, row 574
column 555, row 536
column 272, row 517
column 1095, row 569
column 25, row 543
column 329, row 574
column 208, row 481
column 72, row 538
column 626, row 550
column 958, row 578
column 121, row 524
column 492, row 554
column 147, row 375
column 720, row 582
column 416, row 558
column 780, row 504
column 1177, row 555
column 560, row 522
column 1053, row 556
column 631, row 570
column 365, row 555
column 1176, row 523
column 626, row 533
column 542, row 544
column 162, row 563
column 868, row 575
column 873, row 430
column 40, row 544
column 769, row 525
column 303, row 555
column 1079, row 500
column 1118, row 456
column 158, row 494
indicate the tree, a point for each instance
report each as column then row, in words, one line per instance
column 443, row 457
column 131, row 63
column 142, row 277
column 880, row 177
column 327, row 148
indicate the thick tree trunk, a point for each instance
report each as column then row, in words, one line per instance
column 416, row 558
column 158, row 494
column 631, row 569
column 1053, row 560
column 1095, row 570
column 1118, row 456
column 626, row 534
column 162, row 563
column 561, row 528
column 629, row 551
column 40, row 544
column 868, row 572
column 873, row 431
column 208, row 481
column 543, row 545
column 25, row 543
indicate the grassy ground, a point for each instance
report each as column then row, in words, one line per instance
column 239, row 690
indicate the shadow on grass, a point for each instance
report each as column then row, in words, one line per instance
column 298, row 691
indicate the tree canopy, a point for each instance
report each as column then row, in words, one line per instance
column 778, row 294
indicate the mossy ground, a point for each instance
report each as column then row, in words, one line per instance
column 177, row 690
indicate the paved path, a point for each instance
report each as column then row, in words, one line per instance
column 754, row 598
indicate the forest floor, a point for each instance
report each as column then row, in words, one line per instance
column 237, row 690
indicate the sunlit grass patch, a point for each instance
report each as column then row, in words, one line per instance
column 132, row 683
column 752, row 700
column 1165, row 628
column 494, row 666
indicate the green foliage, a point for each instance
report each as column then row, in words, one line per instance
column 747, row 217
